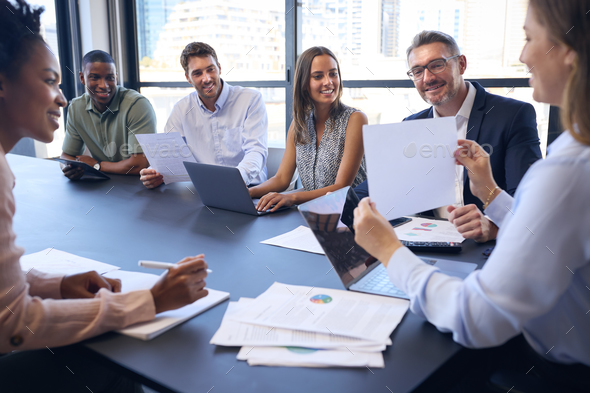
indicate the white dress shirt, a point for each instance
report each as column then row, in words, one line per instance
column 537, row 280
column 462, row 119
column 235, row 134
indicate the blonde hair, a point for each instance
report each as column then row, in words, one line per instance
column 568, row 23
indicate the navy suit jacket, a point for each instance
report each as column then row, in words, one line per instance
column 508, row 126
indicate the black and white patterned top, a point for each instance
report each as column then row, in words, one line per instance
column 319, row 166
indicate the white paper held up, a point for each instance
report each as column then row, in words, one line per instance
column 166, row 154
column 410, row 165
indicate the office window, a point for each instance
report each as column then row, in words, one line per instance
column 251, row 48
column 256, row 44
column 370, row 38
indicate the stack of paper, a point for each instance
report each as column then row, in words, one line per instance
column 291, row 325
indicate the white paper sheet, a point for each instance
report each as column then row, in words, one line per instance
column 410, row 165
column 305, row 357
column 235, row 334
column 324, row 310
column 133, row 281
column 166, row 153
column 428, row 230
column 300, row 238
column 55, row 261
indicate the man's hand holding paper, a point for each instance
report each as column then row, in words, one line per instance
column 166, row 154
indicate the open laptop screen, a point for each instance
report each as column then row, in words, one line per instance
column 330, row 218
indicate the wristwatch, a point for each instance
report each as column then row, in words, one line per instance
column 97, row 166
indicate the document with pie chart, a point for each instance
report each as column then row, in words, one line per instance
column 428, row 230
column 410, row 165
column 326, row 311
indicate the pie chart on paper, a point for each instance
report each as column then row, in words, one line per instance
column 428, row 225
column 321, row 299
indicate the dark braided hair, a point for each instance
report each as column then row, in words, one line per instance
column 19, row 29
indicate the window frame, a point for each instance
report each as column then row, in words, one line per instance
column 70, row 48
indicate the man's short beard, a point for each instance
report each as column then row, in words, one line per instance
column 444, row 99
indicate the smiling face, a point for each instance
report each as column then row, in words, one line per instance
column 324, row 80
column 549, row 63
column 30, row 103
column 442, row 88
column 100, row 80
column 204, row 74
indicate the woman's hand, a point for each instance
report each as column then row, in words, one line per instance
column 477, row 161
column 373, row 232
column 275, row 200
column 181, row 285
column 86, row 285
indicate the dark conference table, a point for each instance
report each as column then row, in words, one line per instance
column 119, row 221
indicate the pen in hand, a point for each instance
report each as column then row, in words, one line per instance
column 161, row 265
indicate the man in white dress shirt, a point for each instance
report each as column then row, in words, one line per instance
column 223, row 124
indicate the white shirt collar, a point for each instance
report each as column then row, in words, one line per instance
column 220, row 100
column 465, row 109
column 560, row 143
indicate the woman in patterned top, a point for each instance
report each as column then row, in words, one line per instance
column 325, row 138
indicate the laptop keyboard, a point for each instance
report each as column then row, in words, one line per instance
column 377, row 282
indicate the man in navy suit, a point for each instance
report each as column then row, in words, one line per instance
column 506, row 128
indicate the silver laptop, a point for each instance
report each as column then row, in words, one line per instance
column 331, row 217
column 223, row 187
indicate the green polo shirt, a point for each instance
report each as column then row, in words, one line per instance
column 110, row 135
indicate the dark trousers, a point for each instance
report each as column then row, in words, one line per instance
column 523, row 366
column 59, row 370
column 559, row 377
